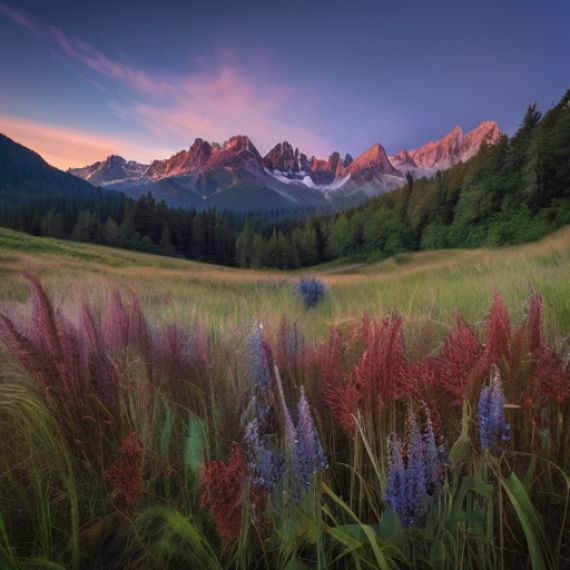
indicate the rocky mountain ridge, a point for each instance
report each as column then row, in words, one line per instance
column 205, row 171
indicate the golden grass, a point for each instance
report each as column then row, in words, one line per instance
column 424, row 286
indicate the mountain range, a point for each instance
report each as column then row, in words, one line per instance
column 235, row 176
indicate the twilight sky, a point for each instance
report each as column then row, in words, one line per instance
column 81, row 80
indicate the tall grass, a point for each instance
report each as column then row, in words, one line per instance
column 136, row 442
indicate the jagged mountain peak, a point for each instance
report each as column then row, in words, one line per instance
column 114, row 169
column 454, row 147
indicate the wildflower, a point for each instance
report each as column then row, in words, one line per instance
column 417, row 474
column 222, row 496
column 433, row 456
column 416, row 471
column 394, row 492
column 124, row 476
column 492, row 426
column 311, row 290
column 308, row 456
column 260, row 361
column 264, row 462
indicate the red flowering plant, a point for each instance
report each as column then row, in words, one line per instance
column 223, row 486
column 125, row 475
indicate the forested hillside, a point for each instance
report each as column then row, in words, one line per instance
column 515, row 191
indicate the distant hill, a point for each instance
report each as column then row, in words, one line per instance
column 25, row 175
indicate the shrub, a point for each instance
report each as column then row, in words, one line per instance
column 311, row 290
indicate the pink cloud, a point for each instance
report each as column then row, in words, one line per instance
column 215, row 104
column 22, row 19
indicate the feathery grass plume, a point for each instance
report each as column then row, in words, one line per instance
column 550, row 379
column 456, row 360
column 311, row 290
column 382, row 372
column 70, row 363
column 171, row 351
column 223, row 485
column 125, row 325
column 140, row 332
column 343, row 401
column 125, row 475
column 115, row 323
column 104, row 375
column 40, row 350
column 498, row 344
column 308, row 456
column 493, row 429
column 330, row 358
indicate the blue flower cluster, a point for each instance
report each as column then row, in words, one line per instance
column 410, row 481
column 265, row 462
column 311, row 290
column 258, row 361
column 492, row 426
column 308, row 456
column 268, row 445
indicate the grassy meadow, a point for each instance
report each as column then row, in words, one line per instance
column 420, row 286
column 161, row 413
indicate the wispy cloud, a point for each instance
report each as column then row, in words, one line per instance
column 213, row 104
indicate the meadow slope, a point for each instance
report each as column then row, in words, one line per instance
column 420, row 286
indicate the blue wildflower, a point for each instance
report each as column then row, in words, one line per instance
column 416, row 471
column 258, row 360
column 410, row 481
column 308, row 456
column 492, row 426
column 394, row 492
column 311, row 290
column 264, row 462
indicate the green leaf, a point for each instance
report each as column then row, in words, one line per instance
column 195, row 452
column 532, row 526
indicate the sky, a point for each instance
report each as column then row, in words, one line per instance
column 82, row 80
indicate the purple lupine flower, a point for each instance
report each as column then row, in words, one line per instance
column 259, row 366
column 311, row 290
column 308, row 456
column 412, row 478
column 416, row 471
column 393, row 494
column 492, row 426
column 264, row 462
